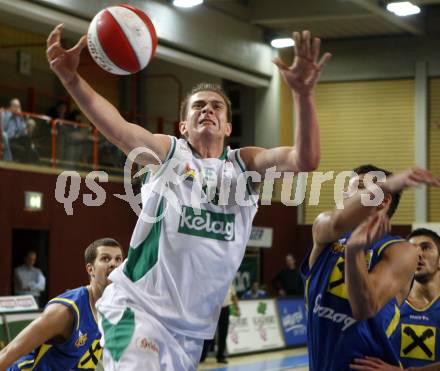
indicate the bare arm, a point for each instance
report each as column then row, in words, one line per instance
column 98, row 110
column 301, row 78
column 391, row 278
column 332, row 225
column 56, row 320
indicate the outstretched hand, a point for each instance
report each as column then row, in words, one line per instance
column 304, row 72
column 371, row 230
column 63, row 62
column 410, row 178
column 372, row 364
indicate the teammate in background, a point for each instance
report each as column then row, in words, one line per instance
column 166, row 298
column 417, row 339
column 66, row 335
column 355, row 282
column 255, row 292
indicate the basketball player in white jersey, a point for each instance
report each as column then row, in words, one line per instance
column 166, row 298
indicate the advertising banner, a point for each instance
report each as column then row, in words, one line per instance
column 10, row 304
column 293, row 321
column 257, row 329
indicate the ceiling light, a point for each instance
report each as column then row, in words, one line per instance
column 186, row 3
column 282, row 43
column 403, row 8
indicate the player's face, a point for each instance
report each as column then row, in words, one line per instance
column 359, row 183
column 207, row 113
column 429, row 263
column 107, row 259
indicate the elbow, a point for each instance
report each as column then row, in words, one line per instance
column 308, row 164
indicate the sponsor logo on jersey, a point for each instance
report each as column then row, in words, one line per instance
column 91, row 358
column 330, row 314
column 337, row 247
column 82, row 338
column 145, row 344
column 190, row 173
column 336, row 284
column 418, row 341
column 209, row 224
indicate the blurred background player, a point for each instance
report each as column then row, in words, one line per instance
column 255, row 292
column 28, row 279
column 417, row 339
column 230, row 306
column 287, row 281
column 355, row 284
column 66, row 336
column 159, row 301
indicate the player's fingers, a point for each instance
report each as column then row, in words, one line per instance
column 324, row 59
column 297, row 40
column 315, row 48
column 57, row 61
column 80, row 45
column 54, row 51
column 306, row 43
column 366, row 362
column 375, row 360
column 279, row 63
column 55, row 35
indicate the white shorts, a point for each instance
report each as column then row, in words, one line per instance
column 135, row 340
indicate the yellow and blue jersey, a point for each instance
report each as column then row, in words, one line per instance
column 80, row 352
column 334, row 337
column 417, row 339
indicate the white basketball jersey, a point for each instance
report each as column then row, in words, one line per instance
column 184, row 252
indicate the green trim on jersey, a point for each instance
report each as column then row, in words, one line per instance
column 142, row 258
column 243, row 169
column 224, row 154
column 118, row 336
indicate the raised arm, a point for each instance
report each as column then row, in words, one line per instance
column 367, row 291
column 56, row 321
column 301, row 77
column 332, row 225
column 98, row 110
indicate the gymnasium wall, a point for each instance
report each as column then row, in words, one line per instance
column 361, row 123
column 69, row 235
column 41, row 79
column 434, row 148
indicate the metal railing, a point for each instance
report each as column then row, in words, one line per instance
column 65, row 144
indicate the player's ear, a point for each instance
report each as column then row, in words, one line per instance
column 183, row 128
column 228, row 129
column 89, row 269
column 386, row 202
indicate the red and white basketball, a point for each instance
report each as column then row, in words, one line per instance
column 122, row 39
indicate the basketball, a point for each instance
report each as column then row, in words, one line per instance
column 122, row 39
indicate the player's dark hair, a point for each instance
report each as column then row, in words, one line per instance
column 92, row 250
column 205, row 86
column 395, row 197
column 428, row 233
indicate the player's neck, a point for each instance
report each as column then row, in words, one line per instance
column 94, row 294
column 423, row 294
column 207, row 147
